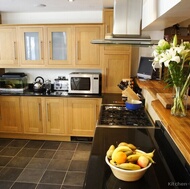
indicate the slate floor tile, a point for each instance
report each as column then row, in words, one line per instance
column 45, row 154
column 50, row 145
column 77, row 165
column 9, row 151
column 68, row 146
column 74, row 178
column 64, row 154
column 81, row 155
column 84, row 146
column 10, row 174
column 26, row 152
column 4, row 160
column 38, row 163
column 30, row 175
column 18, row 143
column 34, row 144
column 19, row 185
column 5, row 184
column 19, row 162
column 53, row 177
column 48, row 186
column 59, row 164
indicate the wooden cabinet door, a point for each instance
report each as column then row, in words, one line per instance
column 108, row 21
column 8, row 47
column 87, row 54
column 10, row 116
column 32, row 46
column 55, row 115
column 60, row 44
column 82, row 116
column 32, row 114
column 117, row 67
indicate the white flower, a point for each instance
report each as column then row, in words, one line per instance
column 168, row 56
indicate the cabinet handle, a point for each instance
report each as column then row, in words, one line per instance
column 48, row 112
column 42, row 50
column 78, row 50
column 15, row 51
column 40, row 112
column 50, row 50
column 0, row 114
column 106, row 78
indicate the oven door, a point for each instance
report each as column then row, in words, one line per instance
column 174, row 161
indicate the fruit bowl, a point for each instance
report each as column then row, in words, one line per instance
column 127, row 175
column 133, row 104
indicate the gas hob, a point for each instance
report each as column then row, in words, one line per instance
column 117, row 115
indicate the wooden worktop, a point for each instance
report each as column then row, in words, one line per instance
column 177, row 127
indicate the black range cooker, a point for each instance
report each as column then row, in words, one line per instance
column 170, row 170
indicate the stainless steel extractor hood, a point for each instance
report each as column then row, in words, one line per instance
column 127, row 18
column 127, row 24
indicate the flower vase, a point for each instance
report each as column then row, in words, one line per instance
column 179, row 107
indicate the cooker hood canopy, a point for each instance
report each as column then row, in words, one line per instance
column 127, row 24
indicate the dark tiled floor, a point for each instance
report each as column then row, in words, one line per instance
column 32, row 164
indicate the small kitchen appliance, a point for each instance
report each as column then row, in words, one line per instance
column 84, row 83
column 61, row 84
column 12, row 82
column 38, row 85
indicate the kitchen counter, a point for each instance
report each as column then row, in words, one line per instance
column 177, row 127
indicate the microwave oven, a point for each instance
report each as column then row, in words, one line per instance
column 84, row 83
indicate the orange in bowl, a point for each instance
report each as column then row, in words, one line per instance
column 120, row 157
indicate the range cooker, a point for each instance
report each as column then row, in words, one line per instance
column 170, row 170
column 115, row 115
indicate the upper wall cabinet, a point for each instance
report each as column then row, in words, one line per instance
column 8, row 47
column 158, row 15
column 60, row 46
column 87, row 54
column 32, row 46
column 108, row 20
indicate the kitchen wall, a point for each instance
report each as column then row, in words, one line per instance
column 47, row 73
column 71, row 17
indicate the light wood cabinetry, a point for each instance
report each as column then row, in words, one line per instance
column 108, row 20
column 32, row 46
column 8, row 47
column 60, row 51
column 10, row 115
column 56, row 117
column 82, row 116
column 43, row 115
column 32, row 114
column 87, row 54
column 117, row 66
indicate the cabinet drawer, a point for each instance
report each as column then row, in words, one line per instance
column 116, row 49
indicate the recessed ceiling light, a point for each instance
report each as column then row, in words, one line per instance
column 41, row 5
column 70, row 0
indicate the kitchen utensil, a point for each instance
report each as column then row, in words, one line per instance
column 133, row 104
column 38, row 85
column 127, row 175
column 48, row 86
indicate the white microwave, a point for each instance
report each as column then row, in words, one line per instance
column 84, row 83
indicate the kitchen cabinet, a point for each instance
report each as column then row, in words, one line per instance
column 43, row 115
column 10, row 115
column 56, row 117
column 87, row 54
column 117, row 66
column 108, row 21
column 33, row 114
column 60, row 48
column 32, row 46
column 82, row 116
column 8, row 47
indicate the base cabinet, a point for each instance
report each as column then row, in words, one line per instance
column 10, row 115
column 42, row 115
column 48, row 117
column 82, row 116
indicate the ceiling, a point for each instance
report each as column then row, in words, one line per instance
column 53, row 5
